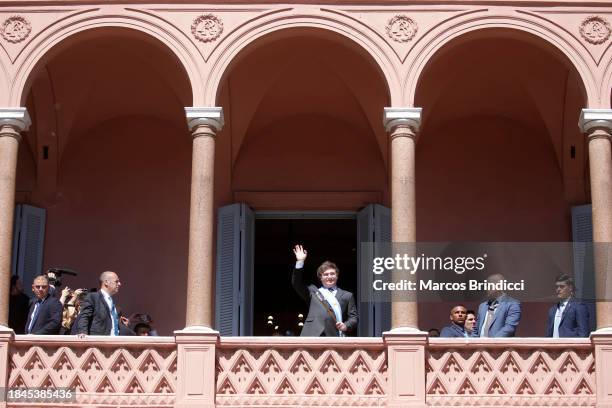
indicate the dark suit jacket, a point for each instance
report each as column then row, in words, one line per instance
column 95, row 317
column 453, row 330
column 574, row 320
column 319, row 322
column 19, row 306
column 506, row 319
column 48, row 319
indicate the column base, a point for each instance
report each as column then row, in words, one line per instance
column 602, row 342
column 196, row 367
column 7, row 335
column 406, row 330
column 406, row 365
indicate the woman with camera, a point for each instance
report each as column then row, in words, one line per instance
column 72, row 305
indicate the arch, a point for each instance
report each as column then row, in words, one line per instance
column 606, row 88
column 377, row 49
column 436, row 40
column 4, row 84
column 165, row 35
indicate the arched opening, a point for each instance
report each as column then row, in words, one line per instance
column 111, row 166
column 500, row 157
column 303, row 135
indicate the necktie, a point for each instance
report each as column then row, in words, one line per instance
column 489, row 318
column 34, row 315
column 115, row 317
column 558, row 315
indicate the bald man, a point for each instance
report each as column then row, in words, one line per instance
column 99, row 316
column 499, row 315
column 457, row 326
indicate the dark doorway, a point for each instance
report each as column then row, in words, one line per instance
column 324, row 239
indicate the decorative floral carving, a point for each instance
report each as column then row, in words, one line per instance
column 207, row 28
column 595, row 30
column 401, row 28
column 16, row 29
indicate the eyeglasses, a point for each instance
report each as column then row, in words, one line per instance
column 40, row 286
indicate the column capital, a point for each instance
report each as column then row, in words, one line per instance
column 204, row 116
column 16, row 118
column 409, row 117
column 595, row 119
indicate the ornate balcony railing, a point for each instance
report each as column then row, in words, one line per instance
column 519, row 372
column 301, row 372
column 297, row 372
column 102, row 370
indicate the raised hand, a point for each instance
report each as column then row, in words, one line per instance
column 300, row 253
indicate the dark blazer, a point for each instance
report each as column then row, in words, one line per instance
column 505, row 320
column 95, row 316
column 574, row 320
column 123, row 329
column 453, row 330
column 48, row 319
column 319, row 322
column 19, row 306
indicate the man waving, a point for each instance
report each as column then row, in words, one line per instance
column 332, row 311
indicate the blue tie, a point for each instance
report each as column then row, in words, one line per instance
column 34, row 315
column 115, row 317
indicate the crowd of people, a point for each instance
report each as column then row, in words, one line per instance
column 77, row 312
column 500, row 314
column 332, row 311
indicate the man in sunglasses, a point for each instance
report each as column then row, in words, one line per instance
column 45, row 314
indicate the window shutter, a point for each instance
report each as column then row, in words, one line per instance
column 16, row 231
column 382, row 235
column 584, row 269
column 30, row 239
column 247, row 250
column 227, row 277
column 365, row 255
column 373, row 225
column 234, row 270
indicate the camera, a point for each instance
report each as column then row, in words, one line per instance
column 54, row 275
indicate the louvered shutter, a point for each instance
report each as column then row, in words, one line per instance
column 584, row 270
column 234, row 270
column 247, row 250
column 227, row 267
column 374, row 226
column 30, row 237
column 365, row 255
column 382, row 235
column 16, row 230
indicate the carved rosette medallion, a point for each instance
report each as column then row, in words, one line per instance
column 595, row 30
column 401, row 28
column 16, row 29
column 207, row 28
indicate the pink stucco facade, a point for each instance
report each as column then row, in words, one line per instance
column 301, row 106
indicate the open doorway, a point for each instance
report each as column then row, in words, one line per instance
column 255, row 259
column 325, row 239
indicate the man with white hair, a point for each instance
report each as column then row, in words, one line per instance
column 99, row 316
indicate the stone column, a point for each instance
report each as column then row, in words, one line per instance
column 597, row 125
column 12, row 122
column 402, row 124
column 204, row 123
